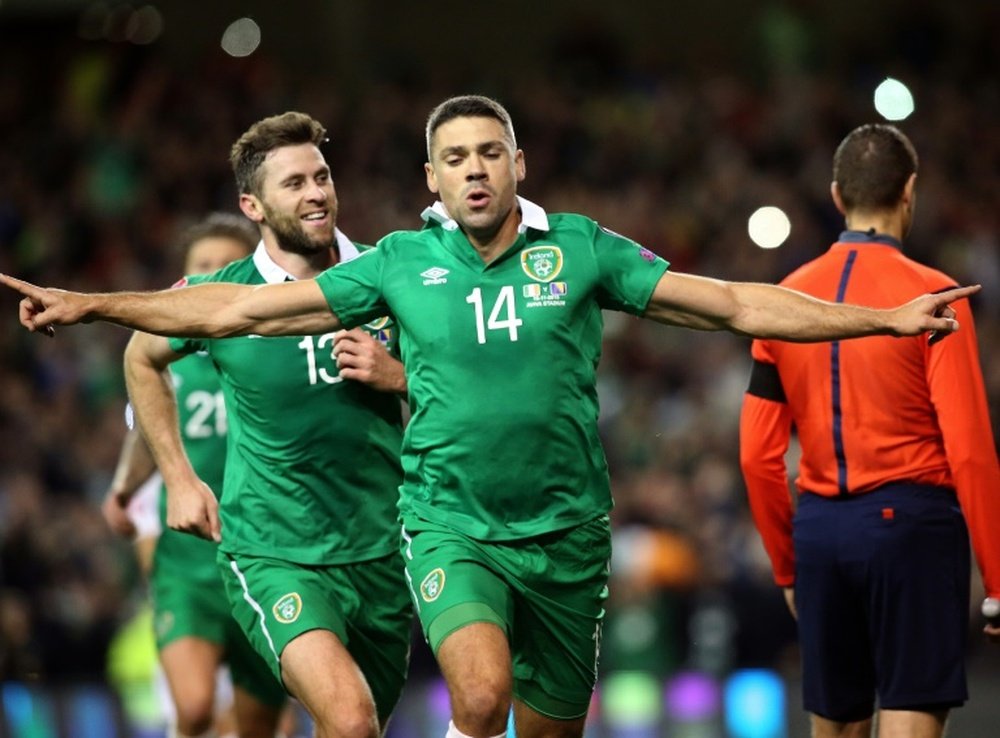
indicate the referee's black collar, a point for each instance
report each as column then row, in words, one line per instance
column 870, row 236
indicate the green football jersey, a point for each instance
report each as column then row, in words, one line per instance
column 501, row 364
column 202, row 414
column 312, row 465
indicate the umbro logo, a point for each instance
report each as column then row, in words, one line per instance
column 434, row 275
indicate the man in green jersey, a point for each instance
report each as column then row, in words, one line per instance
column 308, row 522
column 195, row 630
column 505, row 492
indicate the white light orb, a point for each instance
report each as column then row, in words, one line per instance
column 769, row 227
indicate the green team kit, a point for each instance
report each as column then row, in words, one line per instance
column 504, row 474
column 189, row 598
column 308, row 506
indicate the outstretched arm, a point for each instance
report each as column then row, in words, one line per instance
column 191, row 505
column 213, row 310
column 769, row 311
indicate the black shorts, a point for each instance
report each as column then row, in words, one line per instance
column 882, row 592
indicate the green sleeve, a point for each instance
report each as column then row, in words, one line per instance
column 628, row 272
column 353, row 289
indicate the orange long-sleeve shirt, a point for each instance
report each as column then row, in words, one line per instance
column 870, row 411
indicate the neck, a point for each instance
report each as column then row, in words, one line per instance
column 886, row 223
column 300, row 266
column 489, row 245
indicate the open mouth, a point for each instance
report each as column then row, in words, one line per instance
column 478, row 198
column 317, row 218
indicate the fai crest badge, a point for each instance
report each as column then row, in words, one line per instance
column 432, row 585
column 164, row 623
column 542, row 263
column 381, row 329
column 377, row 325
column 288, row 608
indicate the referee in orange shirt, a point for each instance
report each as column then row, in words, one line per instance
column 896, row 446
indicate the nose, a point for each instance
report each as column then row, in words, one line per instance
column 318, row 193
column 477, row 170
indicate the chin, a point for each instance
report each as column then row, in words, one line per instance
column 481, row 220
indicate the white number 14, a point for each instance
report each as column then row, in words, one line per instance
column 505, row 302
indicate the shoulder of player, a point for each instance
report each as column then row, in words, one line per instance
column 572, row 222
column 430, row 232
column 572, row 231
column 408, row 242
column 241, row 271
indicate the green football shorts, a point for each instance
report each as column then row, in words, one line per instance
column 185, row 607
column 546, row 592
column 364, row 604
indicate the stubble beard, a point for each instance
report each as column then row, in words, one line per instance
column 293, row 238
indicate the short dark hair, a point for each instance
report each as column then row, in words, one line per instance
column 872, row 165
column 219, row 225
column 248, row 153
column 468, row 106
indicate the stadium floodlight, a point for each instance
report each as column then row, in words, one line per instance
column 769, row 227
column 893, row 100
column 241, row 38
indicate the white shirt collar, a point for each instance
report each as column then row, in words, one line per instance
column 274, row 274
column 532, row 216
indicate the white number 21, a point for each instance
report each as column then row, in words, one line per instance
column 505, row 302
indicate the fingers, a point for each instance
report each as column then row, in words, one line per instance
column 355, row 352
column 117, row 518
column 25, row 288
column 28, row 312
column 351, row 341
column 942, row 320
column 214, row 526
column 195, row 512
column 957, row 293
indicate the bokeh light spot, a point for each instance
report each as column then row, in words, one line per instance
column 241, row 38
column 769, row 227
column 144, row 26
column 893, row 100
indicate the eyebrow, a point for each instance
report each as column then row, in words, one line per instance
column 484, row 146
column 324, row 170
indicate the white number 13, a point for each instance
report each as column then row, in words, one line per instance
column 504, row 303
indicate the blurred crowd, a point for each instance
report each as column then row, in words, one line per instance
column 108, row 150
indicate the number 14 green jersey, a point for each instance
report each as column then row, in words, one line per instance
column 501, row 363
